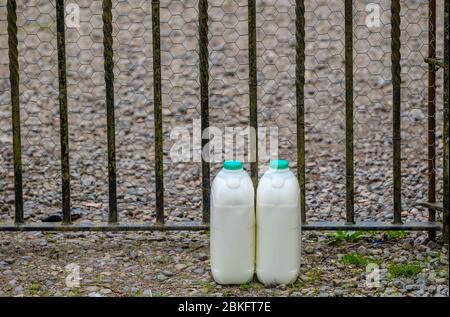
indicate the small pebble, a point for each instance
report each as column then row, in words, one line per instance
column 309, row 249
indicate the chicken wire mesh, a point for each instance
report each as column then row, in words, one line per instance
column 229, row 103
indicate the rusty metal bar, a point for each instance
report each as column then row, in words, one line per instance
column 15, row 104
column 204, row 101
column 300, row 101
column 438, row 63
column 120, row 227
column 349, row 160
column 432, row 114
column 253, row 90
column 159, row 176
column 433, row 206
column 63, row 113
column 372, row 226
column 396, row 91
column 109, row 85
column 446, row 136
column 312, row 226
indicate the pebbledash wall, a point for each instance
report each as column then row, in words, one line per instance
column 328, row 74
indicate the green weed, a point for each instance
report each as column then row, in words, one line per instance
column 346, row 236
column 408, row 270
column 34, row 288
column 354, row 259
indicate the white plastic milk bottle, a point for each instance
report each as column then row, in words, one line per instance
column 278, row 225
column 232, row 225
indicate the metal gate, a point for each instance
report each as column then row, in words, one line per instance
column 433, row 63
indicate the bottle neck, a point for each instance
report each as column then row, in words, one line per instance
column 275, row 170
column 232, row 171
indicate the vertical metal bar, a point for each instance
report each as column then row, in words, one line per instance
column 158, row 112
column 109, row 85
column 432, row 114
column 204, row 97
column 63, row 114
column 349, row 163
column 15, row 104
column 253, row 90
column 396, row 90
column 446, row 131
column 300, row 100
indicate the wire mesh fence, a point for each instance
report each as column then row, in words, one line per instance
column 241, row 78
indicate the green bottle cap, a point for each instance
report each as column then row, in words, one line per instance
column 232, row 165
column 279, row 164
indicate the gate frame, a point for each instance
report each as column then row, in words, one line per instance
column 113, row 225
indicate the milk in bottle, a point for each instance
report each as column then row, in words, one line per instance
column 232, row 225
column 278, row 225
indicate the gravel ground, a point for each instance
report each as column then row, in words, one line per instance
column 168, row 264
column 324, row 124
